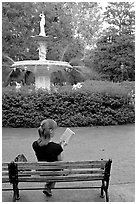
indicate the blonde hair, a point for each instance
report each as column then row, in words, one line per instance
column 46, row 126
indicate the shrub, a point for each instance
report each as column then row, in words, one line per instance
column 73, row 108
column 102, row 87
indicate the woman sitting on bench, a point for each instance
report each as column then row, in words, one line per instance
column 45, row 149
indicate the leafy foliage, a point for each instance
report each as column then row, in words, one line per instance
column 71, row 108
column 86, row 21
column 122, row 16
column 117, row 44
column 76, row 26
column 21, row 21
column 18, row 22
column 109, row 56
column 63, row 20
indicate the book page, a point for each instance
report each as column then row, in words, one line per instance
column 66, row 136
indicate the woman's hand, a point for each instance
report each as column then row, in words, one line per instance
column 63, row 143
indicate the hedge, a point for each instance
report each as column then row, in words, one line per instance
column 72, row 109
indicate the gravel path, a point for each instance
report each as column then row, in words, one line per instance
column 115, row 142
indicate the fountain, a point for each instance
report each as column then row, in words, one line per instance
column 42, row 68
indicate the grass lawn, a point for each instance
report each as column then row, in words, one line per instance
column 115, row 142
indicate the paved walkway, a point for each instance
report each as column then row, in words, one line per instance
column 116, row 142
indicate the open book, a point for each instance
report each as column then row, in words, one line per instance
column 64, row 139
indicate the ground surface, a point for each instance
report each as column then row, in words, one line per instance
column 115, row 142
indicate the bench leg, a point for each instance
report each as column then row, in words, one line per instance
column 107, row 197
column 15, row 192
column 102, row 190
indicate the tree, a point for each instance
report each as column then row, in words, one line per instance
column 121, row 16
column 17, row 26
column 86, row 22
column 116, row 46
column 21, row 21
column 69, row 22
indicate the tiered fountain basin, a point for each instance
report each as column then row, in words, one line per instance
column 42, row 70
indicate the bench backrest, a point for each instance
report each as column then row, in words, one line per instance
column 60, row 171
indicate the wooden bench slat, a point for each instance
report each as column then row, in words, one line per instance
column 66, row 172
column 57, row 179
column 58, row 162
column 29, row 168
column 55, row 165
column 5, row 173
column 61, row 178
column 48, row 173
column 5, row 179
column 4, row 168
column 33, row 167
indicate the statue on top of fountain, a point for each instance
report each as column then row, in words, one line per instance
column 42, row 24
column 42, row 43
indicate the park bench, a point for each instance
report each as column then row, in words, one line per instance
column 15, row 173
